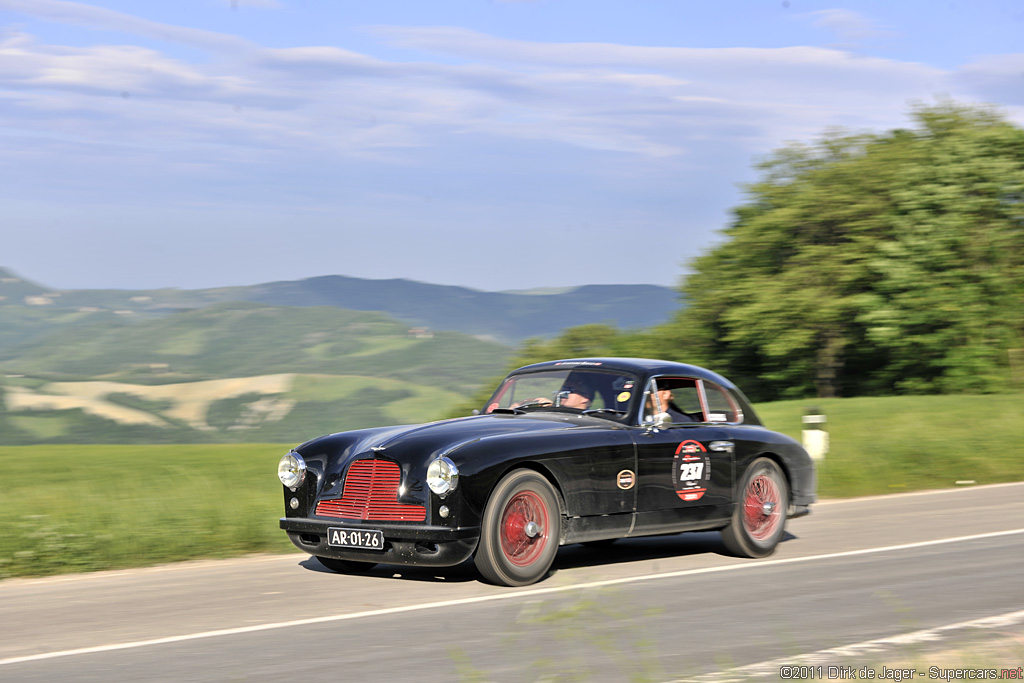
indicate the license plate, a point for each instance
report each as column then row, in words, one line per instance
column 367, row 539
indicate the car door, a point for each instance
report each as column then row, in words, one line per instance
column 684, row 467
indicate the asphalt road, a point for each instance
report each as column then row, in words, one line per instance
column 876, row 577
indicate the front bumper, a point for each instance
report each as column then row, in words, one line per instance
column 424, row 546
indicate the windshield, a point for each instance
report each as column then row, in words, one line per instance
column 597, row 392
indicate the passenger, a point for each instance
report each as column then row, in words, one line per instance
column 662, row 399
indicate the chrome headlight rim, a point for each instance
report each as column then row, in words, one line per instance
column 442, row 476
column 291, row 470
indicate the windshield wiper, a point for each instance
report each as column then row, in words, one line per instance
column 598, row 411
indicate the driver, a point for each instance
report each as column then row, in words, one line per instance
column 574, row 393
column 580, row 394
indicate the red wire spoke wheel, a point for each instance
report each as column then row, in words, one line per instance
column 760, row 508
column 759, row 518
column 519, row 531
column 524, row 529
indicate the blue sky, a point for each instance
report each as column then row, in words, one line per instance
column 485, row 143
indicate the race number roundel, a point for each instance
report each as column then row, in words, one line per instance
column 691, row 470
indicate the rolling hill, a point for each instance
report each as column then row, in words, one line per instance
column 234, row 372
column 280, row 361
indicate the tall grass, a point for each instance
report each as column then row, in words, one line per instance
column 80, row 508
column 903, row 443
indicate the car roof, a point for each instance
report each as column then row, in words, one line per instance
column 645, row 367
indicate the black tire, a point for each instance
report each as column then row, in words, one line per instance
column 346, row 566
column 511, row 552
column 759, row 518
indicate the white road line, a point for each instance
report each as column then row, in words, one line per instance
column 831, row 656
column 507, row 595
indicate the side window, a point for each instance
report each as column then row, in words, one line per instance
column 686, row 399
column 721, row 407
column 677, row 397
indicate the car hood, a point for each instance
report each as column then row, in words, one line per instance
column 419, row 444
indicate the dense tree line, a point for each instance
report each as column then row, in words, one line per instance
column 862, row 264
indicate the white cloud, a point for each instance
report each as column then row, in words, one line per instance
column 649, row 101
column 996, row 78
column 101, row 18
column 782, row 93
column 851, row 28
column 249, row 102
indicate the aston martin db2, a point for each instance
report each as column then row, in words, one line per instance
column 567, row 451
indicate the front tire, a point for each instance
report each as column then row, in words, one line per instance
column 759, row 518
column 346, row 566
column 520, row 530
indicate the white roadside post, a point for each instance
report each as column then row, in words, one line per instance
column 815, row 434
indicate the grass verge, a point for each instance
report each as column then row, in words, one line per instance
column 905, row 443
column 70, row 509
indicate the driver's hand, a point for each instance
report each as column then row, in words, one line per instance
column 539, row 401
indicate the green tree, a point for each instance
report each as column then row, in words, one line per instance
column 870, row 264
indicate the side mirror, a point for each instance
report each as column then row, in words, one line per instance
column 657, row 421
column 662, row 420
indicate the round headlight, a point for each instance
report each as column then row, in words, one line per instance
column 442, row 476
column 291, row 470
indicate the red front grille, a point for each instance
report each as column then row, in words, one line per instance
column 371, row 493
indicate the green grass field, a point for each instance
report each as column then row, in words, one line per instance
column 905, row 443
column 71, row 508
column 82, row 508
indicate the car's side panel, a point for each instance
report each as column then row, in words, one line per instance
column 685, row 479
column 585, row 462
column 680, row 468
column 700, row 518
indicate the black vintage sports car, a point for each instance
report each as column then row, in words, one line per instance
column 569, row 451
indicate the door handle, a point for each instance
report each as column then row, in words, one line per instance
column 722, row 446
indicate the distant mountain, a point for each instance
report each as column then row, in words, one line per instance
column 14, row 289
column 507, row 317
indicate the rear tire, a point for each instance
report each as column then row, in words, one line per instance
column 519, row 532
column 759, row 518
column 346, row 566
